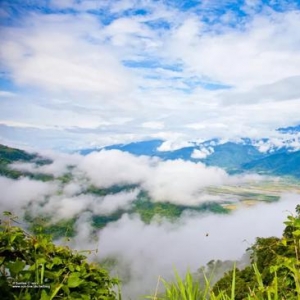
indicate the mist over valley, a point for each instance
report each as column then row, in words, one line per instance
column 145, row 211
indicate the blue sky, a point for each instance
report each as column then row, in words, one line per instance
column 76, row 74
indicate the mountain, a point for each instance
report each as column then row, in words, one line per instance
column 287, row 163
column 137, row 148
column 148, row 148
column 227, row 155
column 232, row 155
column 235, row 157
column 10, row 155
column 290, row 129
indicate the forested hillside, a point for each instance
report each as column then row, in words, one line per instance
column 10, row 155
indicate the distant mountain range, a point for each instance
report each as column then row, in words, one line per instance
column 235, row 157
column 290, row 129
column 287, row 163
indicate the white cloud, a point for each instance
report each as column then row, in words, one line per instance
column 112, row 203
column 22, row 124
column 23, row 166
column 34, row 60
column 202, row 153
column 185, row 244
column 172, row 145
column 62, row 3
column 60, row 163
column 132, row 67
column 177, row 181
column 66, row 207
column 261, row 53
column 17, row 194
column 153, row 125
column 107, row 168
column 182, row 182
column 206, row 126
column 288, row 141
column 6, row 94
column 174, row 181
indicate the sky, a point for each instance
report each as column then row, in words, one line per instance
column 89, row 73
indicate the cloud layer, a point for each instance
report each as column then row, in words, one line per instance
column 179, row 182
column 144, row 251
column 121, row 71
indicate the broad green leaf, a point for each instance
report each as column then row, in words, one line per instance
column 26, row 296
column 85, row 297
column 71, row 267
column 57, row 261
column 284, row 241
column 66, row 289
column 296, row 233
column 74, row 280
column 44, row 296
column 51, row 275
column 16, row 267
column 78, row 268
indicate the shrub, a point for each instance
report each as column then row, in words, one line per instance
column 33, row 268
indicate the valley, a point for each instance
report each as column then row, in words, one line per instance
column 266, row 190
column 216, row 199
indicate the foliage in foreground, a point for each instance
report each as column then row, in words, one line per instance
column 33, row 268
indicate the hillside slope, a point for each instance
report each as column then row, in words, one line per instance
column 10, row 155
column 277, row 164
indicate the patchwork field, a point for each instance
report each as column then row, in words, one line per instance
column 251, row 193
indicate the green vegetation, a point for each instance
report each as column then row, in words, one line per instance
column 65, row 178
column 144, row 206
column 101, row 221
column 32, row 267
column 148, row 209
column 111, row 190
column 189, row 289
column 11, row 155
column 275, row 261
column 44, row 225
column 42, row 270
